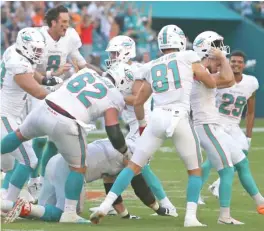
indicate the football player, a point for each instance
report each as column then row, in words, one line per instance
column 103, row 162
column 62, row 46
column 63, row 117
column 231, row 103
column 18, row 81
column 169, row 79
column 222, row 149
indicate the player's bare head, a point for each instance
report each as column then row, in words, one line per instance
column 58, row 20
column 237, row 61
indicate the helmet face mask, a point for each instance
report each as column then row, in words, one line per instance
column 120, row 49
column 206, row 40
column 31, row 43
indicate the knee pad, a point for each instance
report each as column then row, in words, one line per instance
column 52, row 213
column 142, row 191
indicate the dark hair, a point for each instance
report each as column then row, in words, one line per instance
column 54, row 13
column 239, row 53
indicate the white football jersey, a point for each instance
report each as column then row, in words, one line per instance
column 13, row 98
column 56, row 52
column 231, row 101
column 171, row 78
column 128, row 114
column 203, row 104
column 86, row 96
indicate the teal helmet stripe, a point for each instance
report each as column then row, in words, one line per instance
column 165, row 35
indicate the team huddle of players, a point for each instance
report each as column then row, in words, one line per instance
column 68, row 98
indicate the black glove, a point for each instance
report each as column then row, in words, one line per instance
column 52, row 81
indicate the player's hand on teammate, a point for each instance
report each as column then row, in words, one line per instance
column 62, row 69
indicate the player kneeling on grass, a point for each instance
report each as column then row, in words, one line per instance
column 103, row 162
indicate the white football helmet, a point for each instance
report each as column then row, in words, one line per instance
column 206, row 40
column 120, row 49
column 123, row 76
column 171, row 36
column 31, row 43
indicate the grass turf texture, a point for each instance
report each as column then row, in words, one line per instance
column 169, row 168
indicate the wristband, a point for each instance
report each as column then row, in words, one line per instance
column 142, row 123
column 48, row 74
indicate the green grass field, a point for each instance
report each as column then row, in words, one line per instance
column 170, row 169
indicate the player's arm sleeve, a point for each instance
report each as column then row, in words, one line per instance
column 22, row 68
column 255, row 84
column 191, row 57
column 77, row 58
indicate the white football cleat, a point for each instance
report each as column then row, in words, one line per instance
column 193, row 222
column 214, row 189
column 201, row 200
column 72, row 217
column 97, row 216
column 34, row 190
column 14, row 213
column 111, row 212
column 229, row 221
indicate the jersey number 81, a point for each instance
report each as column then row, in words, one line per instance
column 160, row 76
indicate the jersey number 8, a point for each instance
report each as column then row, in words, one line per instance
column 159, row 75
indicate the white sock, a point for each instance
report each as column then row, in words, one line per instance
column 33, row 181
column 224, row 212
column 107, row 203
column 6, row 205
column 191, row 210
column 259, row 199
column 70, row 205
column 37, row 210
column 165, row 202
column 41, row 180
column 12, row 193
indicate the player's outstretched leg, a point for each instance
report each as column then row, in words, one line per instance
column 249, row 184
column 156, row 187
column 34, row 184
column 73, row 188
column 121, row 183
column 49, row 151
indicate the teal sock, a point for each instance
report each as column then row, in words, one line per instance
column 38, row 145
column 8, row 176
column 225, row 188
column 73, row 185
column 20, row 175
column 52, row 213
column 10, row 143
column 6, row 181
column 122, row 181
column 245, row 152
column 49, row 151
column 153, row 182
column 246, row 177
column 206, row 168
column 194, row 188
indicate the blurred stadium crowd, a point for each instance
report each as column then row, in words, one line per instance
column 249, row 9
column 97, row 22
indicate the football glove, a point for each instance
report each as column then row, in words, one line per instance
column 52, row 81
